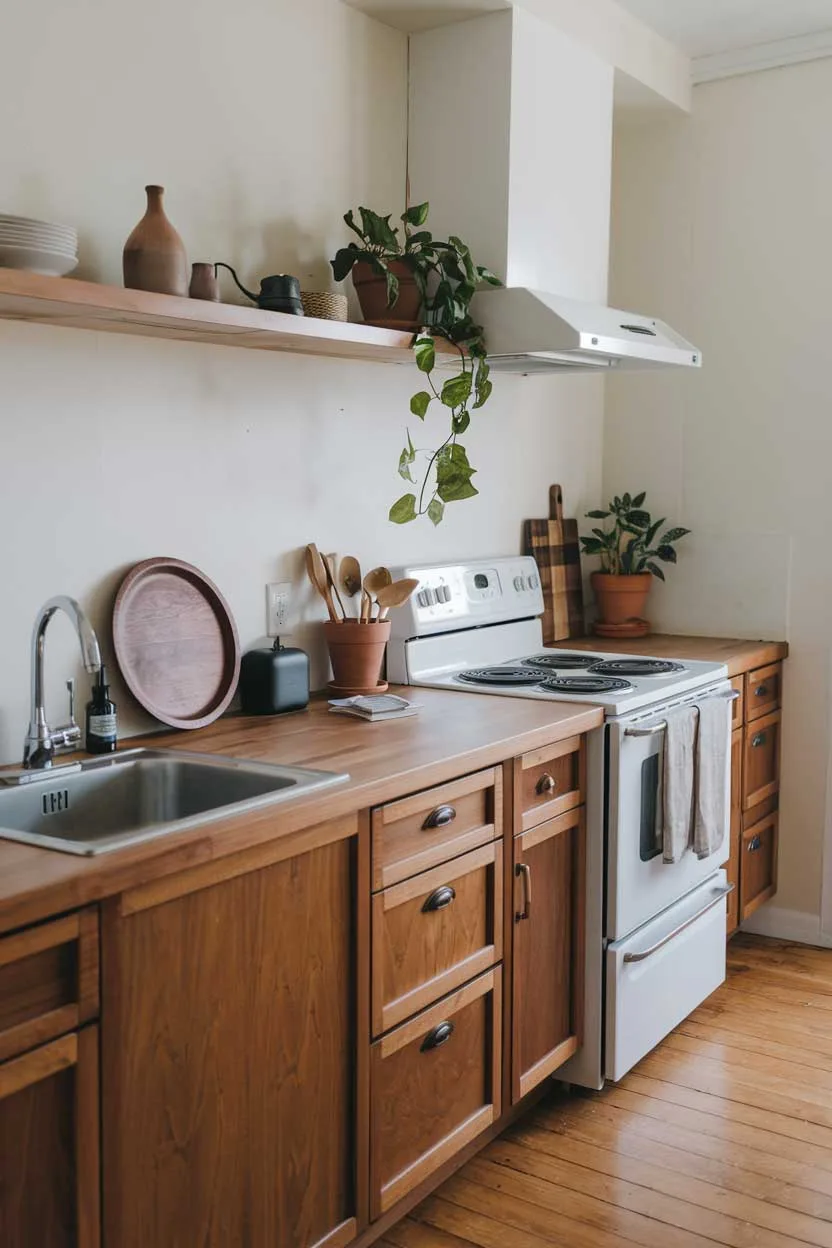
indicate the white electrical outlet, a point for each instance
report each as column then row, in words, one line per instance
column 278, row 599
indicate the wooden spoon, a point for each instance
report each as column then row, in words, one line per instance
column 394, row 595
column 316, row 571
column 329, row 568
column 349, row 574
column 376, row 579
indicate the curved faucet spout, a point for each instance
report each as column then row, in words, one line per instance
column 39, row 748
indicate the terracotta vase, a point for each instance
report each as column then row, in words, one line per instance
column 621, row 598
column 154, row 254
column 204, row 284
column 356, row 652
column 371, row 288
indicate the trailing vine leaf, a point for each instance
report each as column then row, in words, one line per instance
column 453, row 474
column 404, row 509
column 461, row 421
column 457, row 390
column 392, row 288
column 420, row 403
column 406, row 458
column 436, row 511
column 425, row 352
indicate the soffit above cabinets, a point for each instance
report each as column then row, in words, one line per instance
column 415, row 15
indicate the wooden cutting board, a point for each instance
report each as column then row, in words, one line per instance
column 554, row 545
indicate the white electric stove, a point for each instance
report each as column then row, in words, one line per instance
column 655, row 938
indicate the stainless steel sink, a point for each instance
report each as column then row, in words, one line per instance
column 104, row 804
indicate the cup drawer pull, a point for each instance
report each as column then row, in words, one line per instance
column 758, row 739
column 761, row 691
column 440, row 1035
column 546, row 784
column 754, row 844
column 439, row 818
column 439, row 899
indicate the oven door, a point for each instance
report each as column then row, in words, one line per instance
column 661, row 973
column 639, row 884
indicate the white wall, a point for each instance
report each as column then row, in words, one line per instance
column 721, row 226
column 265, row 120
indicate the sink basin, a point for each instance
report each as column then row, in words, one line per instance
column 108, row 803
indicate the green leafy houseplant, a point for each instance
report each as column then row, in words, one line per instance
column 632, row 545
column 446, row 278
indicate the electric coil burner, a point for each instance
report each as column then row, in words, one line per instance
column 636, row 667
column 500, row 676
column 561, row 662
column 585, row 684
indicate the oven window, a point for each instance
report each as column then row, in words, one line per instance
column 650, row 837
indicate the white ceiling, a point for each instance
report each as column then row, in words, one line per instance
column 705, row 27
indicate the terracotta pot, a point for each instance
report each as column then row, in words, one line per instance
column 356, row 652
column 154, row 254
column 621, row 598
column 371, row 288
column 204, row 284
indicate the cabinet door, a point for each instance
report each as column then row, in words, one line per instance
column 231, row 1109
column 550, row 892
column 732, row 867
column 49, row 1186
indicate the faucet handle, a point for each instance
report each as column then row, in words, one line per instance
column 70, row 685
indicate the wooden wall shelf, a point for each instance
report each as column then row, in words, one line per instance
column 113, row 310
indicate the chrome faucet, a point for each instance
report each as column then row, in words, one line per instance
column 42, row 742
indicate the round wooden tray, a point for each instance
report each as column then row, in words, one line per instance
column 176, row 642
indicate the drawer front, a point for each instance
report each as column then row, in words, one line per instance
column 758, row 870
column 48, row 981
column 732, row 866
column 550, row 781
column 761, row 761
column 738, row 705
column 762, row 690
column 433, row 826
column 434, row 1087
column 434, row 932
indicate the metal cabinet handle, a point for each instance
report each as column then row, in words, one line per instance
column 440, row 1035
column 439, row 818
column 754, row 844
column 439, row 899
column 758, row 739
column 761, row 691
column 546, row 784
column 526, row 872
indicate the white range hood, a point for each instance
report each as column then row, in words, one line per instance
column 530, row 331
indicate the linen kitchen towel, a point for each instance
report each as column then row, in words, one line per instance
column 712, row 766
column 678, row 781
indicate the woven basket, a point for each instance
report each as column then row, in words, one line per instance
column 323, row 305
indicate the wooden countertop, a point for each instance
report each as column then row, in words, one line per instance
column 738, row 656
column 450, row 736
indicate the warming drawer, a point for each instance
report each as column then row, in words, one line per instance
column 662, row 972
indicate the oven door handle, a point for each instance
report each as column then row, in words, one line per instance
column 652, row 729
column 648, row 953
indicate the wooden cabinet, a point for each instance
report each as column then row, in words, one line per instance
column 435, row 1087
column 547, row 979
column 549, row 781
column 236, row 1022
column 755, row 785
column 49, row 1150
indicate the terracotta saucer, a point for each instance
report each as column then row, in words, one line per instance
column 630, row 628
column 348, row 692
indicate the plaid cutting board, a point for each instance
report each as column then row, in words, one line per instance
column 554, row 545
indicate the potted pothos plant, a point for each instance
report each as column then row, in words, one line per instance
column 631, row 554
column 420, row 282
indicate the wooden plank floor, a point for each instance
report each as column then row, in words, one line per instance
column 722, row 1135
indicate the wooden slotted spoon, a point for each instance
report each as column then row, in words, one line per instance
column 316, row 571
column 349, row 574
column 376, row 579
column 394, row 595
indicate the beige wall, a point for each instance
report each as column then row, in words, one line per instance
column 721, row 226
column 265, row 119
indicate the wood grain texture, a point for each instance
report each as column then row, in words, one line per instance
column 420, row 953
column 550, row 781
column 548, row 951
column 452, row 736
column 176, row 642
column 738, row 705
column 761, row 760
column 762, row 690
column 758, row 869
column 229, row 1089
column 428, row 1102
column 428, row 828
column 738, row 656
column 715, row 1138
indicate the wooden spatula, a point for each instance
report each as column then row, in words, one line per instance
column 316, row 571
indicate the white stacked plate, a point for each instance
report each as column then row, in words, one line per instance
column 38, row 246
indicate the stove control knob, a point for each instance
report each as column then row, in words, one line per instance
column 422, row 598
column 519, row 583
column 534, row 583
column 430, row 597
column 443, row 593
